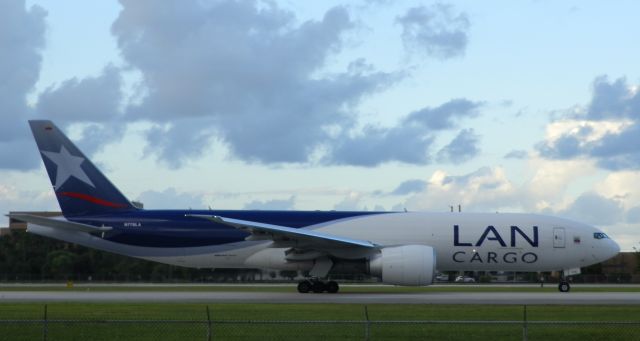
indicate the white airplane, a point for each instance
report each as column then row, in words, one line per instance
column 401, row 248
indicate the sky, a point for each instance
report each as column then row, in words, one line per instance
column 527, row 106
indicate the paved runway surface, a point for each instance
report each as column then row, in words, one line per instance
column 594, row 298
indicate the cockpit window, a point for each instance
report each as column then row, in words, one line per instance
column 600, row 235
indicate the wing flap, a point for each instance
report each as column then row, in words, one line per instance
column 58, row 223
column 280, row 233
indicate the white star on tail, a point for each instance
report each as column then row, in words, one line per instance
column 67, row 166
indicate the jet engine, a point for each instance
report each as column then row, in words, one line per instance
column 412, row 265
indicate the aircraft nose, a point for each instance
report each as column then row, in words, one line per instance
column 612, row 249
column 604, row 248
column 607, row 250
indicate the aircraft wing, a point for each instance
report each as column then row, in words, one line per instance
column 301, row 237
column 58, row 223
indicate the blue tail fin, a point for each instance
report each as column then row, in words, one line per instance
column 80, row 187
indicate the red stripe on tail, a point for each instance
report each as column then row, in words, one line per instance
column 92, row 199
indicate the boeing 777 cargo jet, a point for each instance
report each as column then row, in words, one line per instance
column 402, row 248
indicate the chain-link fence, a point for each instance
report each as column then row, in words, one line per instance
column 211, row 329
column 314, row 330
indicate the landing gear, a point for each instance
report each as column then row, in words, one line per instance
column 564, row 286
column 317, row 286
column 332, row 287
column 321, row 267
column 304, row 287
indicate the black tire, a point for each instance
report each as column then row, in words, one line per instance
column 564, row 286
column 304, row 287
column 318, row 287
column 332, row 287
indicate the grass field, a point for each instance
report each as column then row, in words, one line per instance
column 167, row 321
column 231, row 321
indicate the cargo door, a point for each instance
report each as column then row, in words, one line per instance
column 558, row 237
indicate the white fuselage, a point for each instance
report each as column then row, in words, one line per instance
column 462, row 241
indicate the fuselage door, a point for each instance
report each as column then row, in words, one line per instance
column 558, row 237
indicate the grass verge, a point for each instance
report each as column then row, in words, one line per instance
column 290, row 321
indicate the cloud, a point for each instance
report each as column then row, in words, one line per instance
column 444, row 116
column 486, row 189
column 607, row 130
column 621, row 186
column 564, row 147
column 194, row 134
column 545, row 190
column 462, row 148
column 13, row 198
column 275, row 204
column 613, row 100
column 516, row 154
column 633, row 215
column 19, row 154
column 408, row 141
column 436, row 31
column 90, row 99
column 94, row 101
column 243, row 72
column 379, row 145
column 170, row 199
column 619, row 151
column 247, row 75
column 410, row 186
column 378, row 2
column 595, row 209
column 21, row 41
column 489, row 189
column 352, row 202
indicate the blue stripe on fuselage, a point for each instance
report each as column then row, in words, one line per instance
column 171, row 228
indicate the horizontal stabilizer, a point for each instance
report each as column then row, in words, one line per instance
column 58, row 223
column 282, row 232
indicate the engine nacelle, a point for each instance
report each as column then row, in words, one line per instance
column 411, row 265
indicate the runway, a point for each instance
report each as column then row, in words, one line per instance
column 576, row 298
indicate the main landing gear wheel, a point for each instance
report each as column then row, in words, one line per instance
column 304, row 287
column 318, row 286
column 332, row 287
column 564, row 286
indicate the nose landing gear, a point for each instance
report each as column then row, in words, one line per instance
column 318, row 286
column 564, row 286
column 565, row 275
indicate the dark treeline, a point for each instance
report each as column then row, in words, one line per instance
column 28, row 257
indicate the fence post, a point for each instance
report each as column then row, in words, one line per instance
column 208, row 325
column 524, row 324
column 45, row 325
column 366, row 324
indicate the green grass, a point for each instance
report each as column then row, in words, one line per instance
column 227, row 327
